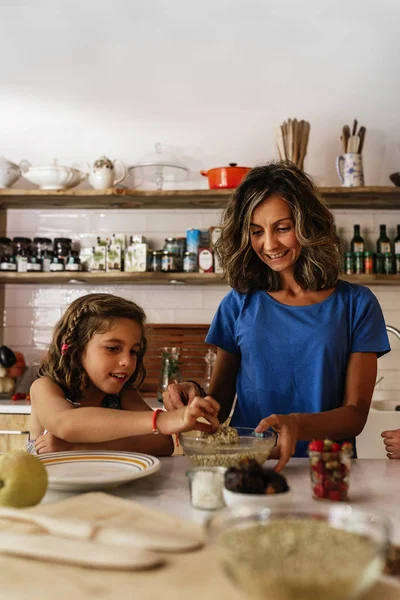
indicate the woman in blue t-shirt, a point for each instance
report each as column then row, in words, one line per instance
column 296, row 344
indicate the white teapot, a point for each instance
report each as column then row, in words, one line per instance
column 104, row 173
column 9, row 173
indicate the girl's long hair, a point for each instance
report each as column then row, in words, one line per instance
column 319, row 264
column 90, row 314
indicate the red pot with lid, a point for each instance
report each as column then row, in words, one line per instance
column 225, row 177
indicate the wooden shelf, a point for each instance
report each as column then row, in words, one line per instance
column 82, row 278
column 337, row 197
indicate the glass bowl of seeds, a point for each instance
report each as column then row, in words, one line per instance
column 335, row 553
column 227, row 447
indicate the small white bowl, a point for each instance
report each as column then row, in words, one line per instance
column 257, row 500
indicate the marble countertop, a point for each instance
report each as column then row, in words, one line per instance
column 374, row 487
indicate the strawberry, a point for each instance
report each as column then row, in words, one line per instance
column 319, row 491
column 316, row 446
column 334, row 495
column 335, row 447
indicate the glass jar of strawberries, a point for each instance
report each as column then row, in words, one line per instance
column 330, row 469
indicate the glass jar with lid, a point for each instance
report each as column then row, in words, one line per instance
column 73, row 262
column 57, row 264
column 43, row 249
column 155, row 261
column 62, row 247
column 22, row 247
column 174, row 248
column 7, row 260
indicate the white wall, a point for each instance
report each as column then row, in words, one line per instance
column 83, row 78
column 211, row 79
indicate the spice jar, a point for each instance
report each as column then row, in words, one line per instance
column 169, row 262
column 358, row 263
column 62, row 247
column 155, row 261
column 34, row 263
column 397, row 264
column 21, row 248
column 388, row 263
column 57, row 264
column 330, row 469
column 7, row 260
column 175, row 249
column 190, row 262
column 206, row 487
column 349, row 263
column 73, row 262
column 368, row 262
column 42, row 247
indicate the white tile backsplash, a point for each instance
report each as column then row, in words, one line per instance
column 32, row 311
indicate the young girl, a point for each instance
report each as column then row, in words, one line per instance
column 95, row 362
column 298, row 345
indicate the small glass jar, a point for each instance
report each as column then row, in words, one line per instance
column 190, row 262
column 358, row 263
column 42, row 246
column 155, row 261
column 330, row 472
column 169, row 262
column 34, row 264
column 62, row 247
column 379, row 263
column 73, row 262
column 368, row 263
column 388, row 263
column 206, row 486
column 349, row 263
column 57, row 264
column 397, row 264
column 22, row 250
column 6, row 253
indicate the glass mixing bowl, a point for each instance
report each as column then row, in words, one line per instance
column 332, row 553
column 202, row 453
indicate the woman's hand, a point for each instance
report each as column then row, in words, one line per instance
column 179, row 395
column 391, row 439
column 50, row 443
column 185, row 419
column 288, row 430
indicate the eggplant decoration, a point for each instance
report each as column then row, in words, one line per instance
column 7, row 357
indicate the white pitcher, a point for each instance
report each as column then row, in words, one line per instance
column 104, row 173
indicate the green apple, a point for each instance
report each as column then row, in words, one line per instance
column 23, row 479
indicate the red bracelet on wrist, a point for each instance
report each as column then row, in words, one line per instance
column 154, row 420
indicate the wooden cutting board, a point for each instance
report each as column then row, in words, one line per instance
column 190, row 576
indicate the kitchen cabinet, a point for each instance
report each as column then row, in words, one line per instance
column 14, row 431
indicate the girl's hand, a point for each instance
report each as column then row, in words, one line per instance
column 185, row 419
column 288, row 430
column 179, row 395
column 50, row 443
column 391, row 439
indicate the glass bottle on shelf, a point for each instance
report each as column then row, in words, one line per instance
column 397, row 241
column 170, row 371
column 210, row 359
column 357, row 243
column 383, row 242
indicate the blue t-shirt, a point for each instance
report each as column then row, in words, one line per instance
column 294, row 358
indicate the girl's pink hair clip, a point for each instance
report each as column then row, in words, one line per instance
column 64, row 348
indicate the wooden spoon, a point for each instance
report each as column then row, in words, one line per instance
column 361, row 134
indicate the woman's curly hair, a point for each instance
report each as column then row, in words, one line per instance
column 90, row 314
column 318, row 266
